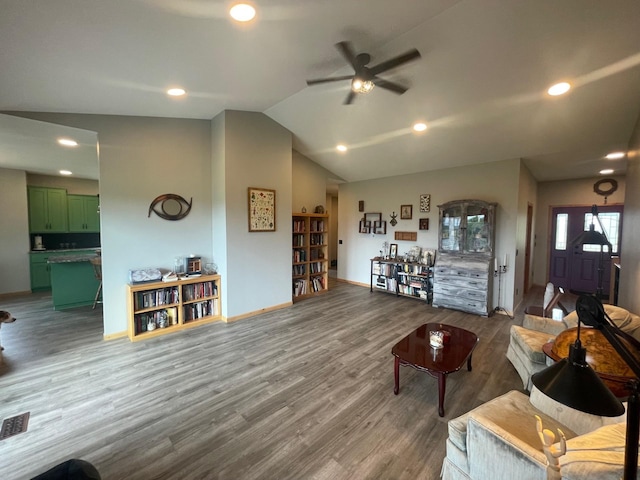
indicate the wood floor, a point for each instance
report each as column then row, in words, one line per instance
column 301, row 393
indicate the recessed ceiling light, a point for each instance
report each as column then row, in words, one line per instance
column 242, row 12
column 176, row 92
column 559, row 89
column 66, row 172
column 67, row 142
column 341, row 148
column 419, row 127
column 615, row 155
column 606, row 171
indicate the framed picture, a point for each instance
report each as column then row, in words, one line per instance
column 425, row 202
column 424, row 224
column 393, row 250
column 406, row 212
column 262, row 210
column 361, row 205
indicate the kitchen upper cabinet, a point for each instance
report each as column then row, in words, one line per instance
column 83, row 213
column 47, row 210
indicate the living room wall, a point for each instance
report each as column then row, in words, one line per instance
column 494, row 182
column 14, row 232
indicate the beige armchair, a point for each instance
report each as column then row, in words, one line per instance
column 526, row 341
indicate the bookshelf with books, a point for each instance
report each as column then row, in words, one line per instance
column 310, row 237
column 406, row 279
column 159, row 308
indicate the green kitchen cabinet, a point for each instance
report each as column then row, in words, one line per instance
column 83, row 214
column 40, row 272
column 47, row 210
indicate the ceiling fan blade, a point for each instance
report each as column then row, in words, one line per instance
column 394, row 62
column 348, row 53
column 394, row 87
column 350, row 97
column 329, row 79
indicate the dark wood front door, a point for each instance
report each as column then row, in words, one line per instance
column 582, row 268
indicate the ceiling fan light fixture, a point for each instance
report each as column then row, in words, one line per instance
column 242, row 12
column 359, row 85
column 559, row 89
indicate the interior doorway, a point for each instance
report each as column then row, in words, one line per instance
column 577, row 267
column 527, row 250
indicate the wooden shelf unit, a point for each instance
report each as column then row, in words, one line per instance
column 185, row 303
column 403, row 279
column 310, row 256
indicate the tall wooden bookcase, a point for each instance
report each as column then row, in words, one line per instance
column 159, row 308
column 310, row 256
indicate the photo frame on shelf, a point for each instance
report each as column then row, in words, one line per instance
column 406, row 212
column 380, row 227
column 262, row 209
column 393, row 250
column 365, row 226
column 425, row 202
column 424, row 224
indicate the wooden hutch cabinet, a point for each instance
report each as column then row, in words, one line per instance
column 463, row 275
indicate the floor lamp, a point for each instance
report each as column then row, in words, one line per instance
column 593, row 237
column 574, row 383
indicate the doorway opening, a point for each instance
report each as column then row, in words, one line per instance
column 577, row 267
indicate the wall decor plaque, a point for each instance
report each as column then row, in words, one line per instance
column 262, row 210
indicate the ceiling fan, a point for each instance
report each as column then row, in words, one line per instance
column 365, row 78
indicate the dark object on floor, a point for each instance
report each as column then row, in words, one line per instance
column 73, row 469
column 14, row 425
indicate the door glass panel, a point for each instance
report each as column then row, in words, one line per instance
column 562, row 221
column 451, row 219
column 477, row 239
column 611, row 223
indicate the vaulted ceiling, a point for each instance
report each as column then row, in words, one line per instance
column 480, row 85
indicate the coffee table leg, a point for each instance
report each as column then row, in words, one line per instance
column 396, row 374
column 442, row 383
column 469, row 362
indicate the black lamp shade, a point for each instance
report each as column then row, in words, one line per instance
column 577, row 386
column 591, row 237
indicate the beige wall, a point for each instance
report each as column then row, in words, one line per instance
column 565, row 192
column 629, row 293
column 493, row 182
column 14, row 232
column 307, row 190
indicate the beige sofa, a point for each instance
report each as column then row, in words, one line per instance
column 526, row 341
column 499, row 440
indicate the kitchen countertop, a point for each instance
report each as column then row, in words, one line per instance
column 61, row 250
column 72, row 258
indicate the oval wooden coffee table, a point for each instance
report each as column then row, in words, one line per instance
column 601, row 356
column 415, row 351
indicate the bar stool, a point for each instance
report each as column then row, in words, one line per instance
column 97, row 270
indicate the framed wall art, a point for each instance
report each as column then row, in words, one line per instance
column 393, row 250
column 406, row 212
column 424, row 224
column 425, row 202
column 262, row 210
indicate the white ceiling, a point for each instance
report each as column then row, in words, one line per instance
column 479, row 85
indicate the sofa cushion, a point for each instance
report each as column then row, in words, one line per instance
column 622, row 318
column 515, row 415
column 530, row 342
column 596, row 455
column 578, row 421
